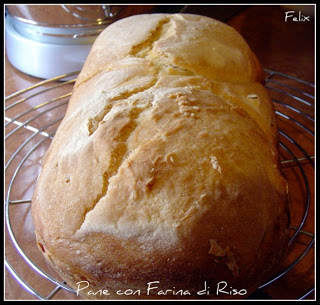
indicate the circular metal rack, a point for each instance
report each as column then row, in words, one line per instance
column 30, row 130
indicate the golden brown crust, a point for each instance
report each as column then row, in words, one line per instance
column 165, row 167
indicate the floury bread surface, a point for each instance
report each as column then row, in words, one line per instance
column 165, row 168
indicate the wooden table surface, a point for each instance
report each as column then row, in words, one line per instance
column 283, row 46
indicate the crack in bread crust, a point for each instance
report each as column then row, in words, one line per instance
column 139, row 50
column 147, row 49
column 143, row 48
column 93, row 123
column 119, row 153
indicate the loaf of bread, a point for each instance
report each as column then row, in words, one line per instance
column 163, row 179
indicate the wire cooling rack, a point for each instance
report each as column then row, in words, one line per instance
column 31, row 120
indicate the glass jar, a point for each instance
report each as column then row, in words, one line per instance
column 50, row 40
